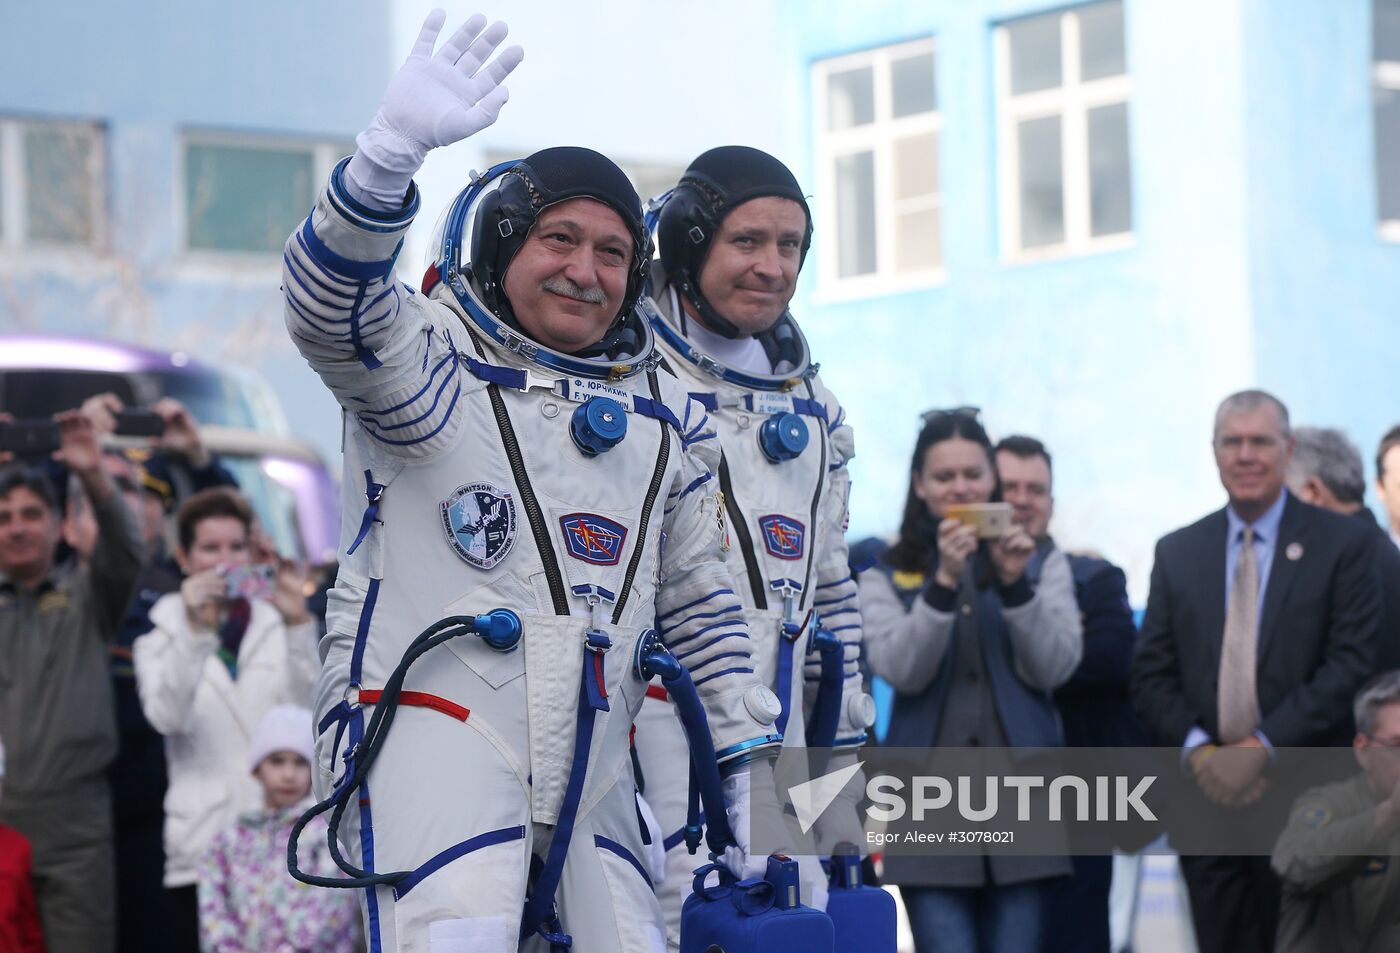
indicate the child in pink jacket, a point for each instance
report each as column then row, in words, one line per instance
column 248, row 903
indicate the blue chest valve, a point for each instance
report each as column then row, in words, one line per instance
column 598, row 425
column 500, row 629
column 652, row 658
column 783, row 437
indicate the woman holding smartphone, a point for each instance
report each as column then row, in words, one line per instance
column 223, row 650
column 973, row 650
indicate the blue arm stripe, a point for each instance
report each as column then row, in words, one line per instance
column 311, row 259
column 296, row 272
column 675, row 643
column 705, row 615
column 839, row 582
column 846, row 611
column 363, row 271
column 843, row 628
column 437, row 399
column 686, row 443
column 723, row 655
column 447, row 415
column 695, row 484
column 689, row 605
column 421, row 391
column 315, row 322
column 300, row 262
column 715, row 641
column 834, row 602
column 728, row 671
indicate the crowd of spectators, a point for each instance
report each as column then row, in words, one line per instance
column 1264, row 623
column 156, row 656
column 153, row 650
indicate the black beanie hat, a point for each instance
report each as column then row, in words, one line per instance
column 546, row 178
column 716, row 183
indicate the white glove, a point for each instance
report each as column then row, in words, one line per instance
column 433, row 100
column 737, row 804
column 841, row 822
column 655, row 859
column 750, row 793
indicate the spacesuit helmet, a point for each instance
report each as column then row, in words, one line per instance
column 491, row 221
column 715, row 184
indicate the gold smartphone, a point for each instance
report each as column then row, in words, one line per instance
column 992, row 520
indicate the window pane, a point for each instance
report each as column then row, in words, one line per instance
column 1387, row 30
column 60, row 167
column 855, row 214
column 916, row 166
column 245, row 199
column 1042, row 194
column 1101, row 41
column 1110, row 171
column 851, row 98
column 1388, row 153
column 914, row 89
column 1035, row 53
column 918, row 244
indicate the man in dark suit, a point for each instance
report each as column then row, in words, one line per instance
column 1261, row 624
column 1327, row 471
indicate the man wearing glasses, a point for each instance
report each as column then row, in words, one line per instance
column 1337, row 857
column 1261, row 625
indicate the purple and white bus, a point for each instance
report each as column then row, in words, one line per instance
column 240, row 419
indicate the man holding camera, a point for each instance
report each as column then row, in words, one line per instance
column 55, row 691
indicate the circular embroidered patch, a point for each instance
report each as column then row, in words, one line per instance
column 479, row 521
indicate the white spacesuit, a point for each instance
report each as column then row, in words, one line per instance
column 785, row 444
column 485, row 470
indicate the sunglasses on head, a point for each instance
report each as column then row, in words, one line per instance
column 969, row 413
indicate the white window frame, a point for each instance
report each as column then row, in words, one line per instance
column 1071, row 102
column 14, row 203
column 324, row 156
column 877, row 137
column 1386, row 75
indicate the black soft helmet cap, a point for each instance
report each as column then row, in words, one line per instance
column 548, row 177
column 717, row 182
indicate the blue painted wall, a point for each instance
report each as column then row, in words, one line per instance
column 311, row 70
column 1326, row 288
column 1254, row 261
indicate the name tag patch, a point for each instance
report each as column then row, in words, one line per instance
column 783, row 536
column 479, row 521
column 592, row 538
column 582, row 388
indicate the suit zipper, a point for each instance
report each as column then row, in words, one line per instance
column 533, row 514
column 741, row 530
column 816, row 503
column 663, row 456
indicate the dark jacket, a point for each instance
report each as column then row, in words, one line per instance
column 1095, row 705
column 1317, row 632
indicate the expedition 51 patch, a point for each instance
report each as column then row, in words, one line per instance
column 479, row 520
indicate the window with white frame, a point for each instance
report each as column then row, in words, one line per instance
column 53, row 183
column 246, row 195
column 877, row 135
column 1385, row 27
column 1065, row 163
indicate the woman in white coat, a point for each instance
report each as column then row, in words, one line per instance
column 222, row 651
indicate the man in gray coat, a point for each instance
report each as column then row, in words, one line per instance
column 55, row 691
